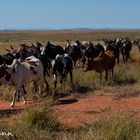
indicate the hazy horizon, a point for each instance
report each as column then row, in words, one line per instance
column 76, row 28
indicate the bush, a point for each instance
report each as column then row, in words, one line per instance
column 119, row 127
column 6, row 93
column 44, row 119
column 36, row 124
column 124, row 75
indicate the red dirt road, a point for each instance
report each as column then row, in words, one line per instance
column 88, row 110
column 18, row 105
column 93, row 107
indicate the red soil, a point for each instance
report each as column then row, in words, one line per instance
column 18, row 105
column 89, row 109
column 93, row 107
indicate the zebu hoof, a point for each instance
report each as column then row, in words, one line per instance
column 24, row 102
column 12, row 105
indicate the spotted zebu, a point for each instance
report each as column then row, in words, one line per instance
column 19, row 74
column 61, row 66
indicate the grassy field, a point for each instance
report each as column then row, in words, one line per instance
column 59, row 37
column 125, row 83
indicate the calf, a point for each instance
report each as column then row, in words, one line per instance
column 20, row 73
column 104, row 62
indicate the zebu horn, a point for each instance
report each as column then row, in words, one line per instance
column 7, row 50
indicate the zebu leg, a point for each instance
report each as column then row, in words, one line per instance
column 35, row 87
column 19, row 93
column 106, row 75
column 55, row 82
column 71, row 79
column 40, row 87
column 14, row 98
column 46, row 83
column 100, row 77
column 47, row 86
column 123, row 57
column 18, row 96
column 17, row 90
column 24, row 99
column 112, row 71
column 118, row 58
column 24, row 95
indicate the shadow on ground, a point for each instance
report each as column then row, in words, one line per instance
column 84, row 90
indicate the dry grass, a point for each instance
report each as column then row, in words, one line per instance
column 59, row 37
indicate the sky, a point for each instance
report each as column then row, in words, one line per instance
column 68, row 14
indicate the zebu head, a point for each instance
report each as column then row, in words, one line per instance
column 25, row 51
column 43, row 48
column 38, row 46
column 66, row 46
column 57, row 65
column 118, row 40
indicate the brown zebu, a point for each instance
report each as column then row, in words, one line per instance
column 104, row 62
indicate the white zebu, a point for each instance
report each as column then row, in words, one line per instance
column 22, row 73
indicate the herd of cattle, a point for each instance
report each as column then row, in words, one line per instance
column 29, row 64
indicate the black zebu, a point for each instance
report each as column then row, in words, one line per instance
column 7, row 58
column 61, row 66
column 48, row 53
column 51, row 50
column 92, row 51
column 75, row 50
column 125, row 47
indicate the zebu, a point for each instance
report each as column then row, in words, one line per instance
column 19, row 74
